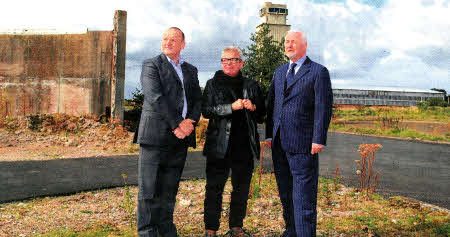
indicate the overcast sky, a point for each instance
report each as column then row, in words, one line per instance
column 364, row 43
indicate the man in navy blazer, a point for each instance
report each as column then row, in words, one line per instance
column 172, row 106
column 299, row 112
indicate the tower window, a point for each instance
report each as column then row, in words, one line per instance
column 262, row 11
column 277, row 10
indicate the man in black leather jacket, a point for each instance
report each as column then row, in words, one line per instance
column 233, row 104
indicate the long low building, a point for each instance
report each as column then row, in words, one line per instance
column 382, row 96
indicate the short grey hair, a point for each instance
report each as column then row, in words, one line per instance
column 233, row 48
column 301, row 32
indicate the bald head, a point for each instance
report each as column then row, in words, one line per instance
column 295, row 45
column 177, row 29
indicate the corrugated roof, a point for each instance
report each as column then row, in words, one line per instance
column 380, row 88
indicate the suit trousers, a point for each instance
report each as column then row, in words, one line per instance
column 240, row 162
column 297, row 177
column 159, row 177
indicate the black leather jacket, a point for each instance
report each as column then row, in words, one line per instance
column 217, row 109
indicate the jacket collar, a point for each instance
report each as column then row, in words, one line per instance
column 304, row 69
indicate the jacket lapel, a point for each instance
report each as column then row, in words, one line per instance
column 282, row 79
column 304, row 69
column 171, row 73
column 185, row 72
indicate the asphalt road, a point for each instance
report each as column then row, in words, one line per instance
column 407, row 168
column 412, row 169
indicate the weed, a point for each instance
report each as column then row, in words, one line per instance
column 200, row 132
column 443, row 229
column 336, row 178
column 34, row 122
column 51, row 156
column 255, row 189
column 418, row 221
column 360, row 218
column 11, row 124
column 255, row 186
column 430, row 113
column 128, row 204
column 60, row 232
column 325, row 192
column 368, row 222
column 133, row 148
column 368, row 182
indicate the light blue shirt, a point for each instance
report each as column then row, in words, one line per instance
column 299, row 64
column 180, row 76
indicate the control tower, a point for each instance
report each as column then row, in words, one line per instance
column 274, row 15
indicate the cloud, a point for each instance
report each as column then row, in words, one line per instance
column 362, row 42
column 398, row 43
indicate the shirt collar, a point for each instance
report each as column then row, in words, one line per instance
column 298, row 62
column 180, row 60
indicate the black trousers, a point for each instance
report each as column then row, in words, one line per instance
column 159, row 177
column 240, row 162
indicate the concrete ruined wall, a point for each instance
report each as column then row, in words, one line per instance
column 56, row 73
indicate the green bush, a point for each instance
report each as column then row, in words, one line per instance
column 138, row 100
column 35, row 121
column 437, row 102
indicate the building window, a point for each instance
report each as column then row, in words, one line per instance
column 262, row 11
column 278, row 10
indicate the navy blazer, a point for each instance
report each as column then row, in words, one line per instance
column 302, row 112
column 163, row 101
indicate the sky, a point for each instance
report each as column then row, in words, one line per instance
column 399, row 44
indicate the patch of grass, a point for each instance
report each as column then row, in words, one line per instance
column 129, row 202
column 443, row 230
column 101, row 230
column 51, row 155
column 401, row 133
column 133, row 148
column 350, row 214
column 430, row 114
column 59, row 232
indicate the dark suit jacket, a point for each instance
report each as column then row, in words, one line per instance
column 302, row 112
column 163, row 101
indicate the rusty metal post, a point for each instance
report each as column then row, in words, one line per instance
column 118, row 64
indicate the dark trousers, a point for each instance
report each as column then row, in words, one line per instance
column 297, row 179
column 159, row 177
column 217, row 171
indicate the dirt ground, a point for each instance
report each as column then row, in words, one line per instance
column 73, row 137
column 91, row 139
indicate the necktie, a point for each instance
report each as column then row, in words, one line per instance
column 290, row 76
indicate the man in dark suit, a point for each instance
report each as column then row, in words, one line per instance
column 172, row 103
column 299, row 112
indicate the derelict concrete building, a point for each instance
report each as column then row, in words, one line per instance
column 50, row 71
